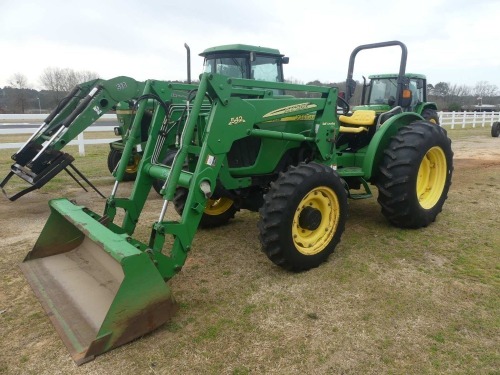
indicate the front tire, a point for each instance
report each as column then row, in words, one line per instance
column 218, row 211
column 303, row 217
column 415, row 175
column 114, row 157
column 495, row 129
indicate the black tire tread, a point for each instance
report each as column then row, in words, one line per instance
column 495, row 129
column 398, row 172
column 430, row 114
column 276, row 209
column 114, row 157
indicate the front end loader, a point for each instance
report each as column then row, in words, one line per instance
column 243, row 145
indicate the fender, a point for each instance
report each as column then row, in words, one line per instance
column 420, row 107
column 380, row 141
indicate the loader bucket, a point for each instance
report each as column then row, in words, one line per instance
column 99, row 291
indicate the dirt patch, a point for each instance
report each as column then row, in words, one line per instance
column 387, row 301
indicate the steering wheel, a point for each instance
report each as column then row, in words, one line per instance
column 341, row 102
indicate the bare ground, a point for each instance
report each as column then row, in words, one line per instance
column 388, row 301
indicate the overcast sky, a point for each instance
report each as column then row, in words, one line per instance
column 455, row 41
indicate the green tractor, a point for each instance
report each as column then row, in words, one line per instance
column 242, row 145
column 402, row 92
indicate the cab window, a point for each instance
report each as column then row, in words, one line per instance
column 417, row 91
column 382, row 90
column 235, row 67
column 266, row 69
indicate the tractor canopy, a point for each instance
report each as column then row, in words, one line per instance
column 245, row 61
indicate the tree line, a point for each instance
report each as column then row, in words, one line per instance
column 19, row 97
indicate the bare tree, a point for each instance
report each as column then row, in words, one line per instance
column 73, row 78
column 485, row 89
column 61, row 80
column 459, row 90
column 19, row 82
column 52, row 79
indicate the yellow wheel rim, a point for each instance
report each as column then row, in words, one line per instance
column 132, row 167
column 314, row 240
column 216, row 207
column 433, row 121
column 431, row 177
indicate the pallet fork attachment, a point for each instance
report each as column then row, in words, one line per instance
column 40, row 159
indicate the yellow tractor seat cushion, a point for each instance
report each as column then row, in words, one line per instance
column 352, row 129
column 361, row 117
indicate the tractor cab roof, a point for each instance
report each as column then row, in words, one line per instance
column 240, row 48
column 387, row 76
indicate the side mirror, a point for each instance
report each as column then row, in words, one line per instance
column 285, row 60
column 406, row 98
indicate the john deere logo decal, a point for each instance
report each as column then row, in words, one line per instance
column 290, row 108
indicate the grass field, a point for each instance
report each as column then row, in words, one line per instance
column 388, row 301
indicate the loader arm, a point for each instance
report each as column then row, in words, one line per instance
column 41, row 158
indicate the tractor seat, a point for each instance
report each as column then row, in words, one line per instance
column 362, row 117
column 357, row 121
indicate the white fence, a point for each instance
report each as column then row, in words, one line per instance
column 80, row 141
column 468, row 119
column 35, row 119
column 451, row 119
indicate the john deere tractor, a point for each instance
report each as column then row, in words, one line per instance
column 397, row 92
column 242, row 145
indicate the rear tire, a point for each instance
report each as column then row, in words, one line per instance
column 303, row 217
column 114, row 157
column 495, row 129
column 431, row 115
column 415, row 175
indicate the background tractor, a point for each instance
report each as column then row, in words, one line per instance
column 405, row 92
column 242, row 145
